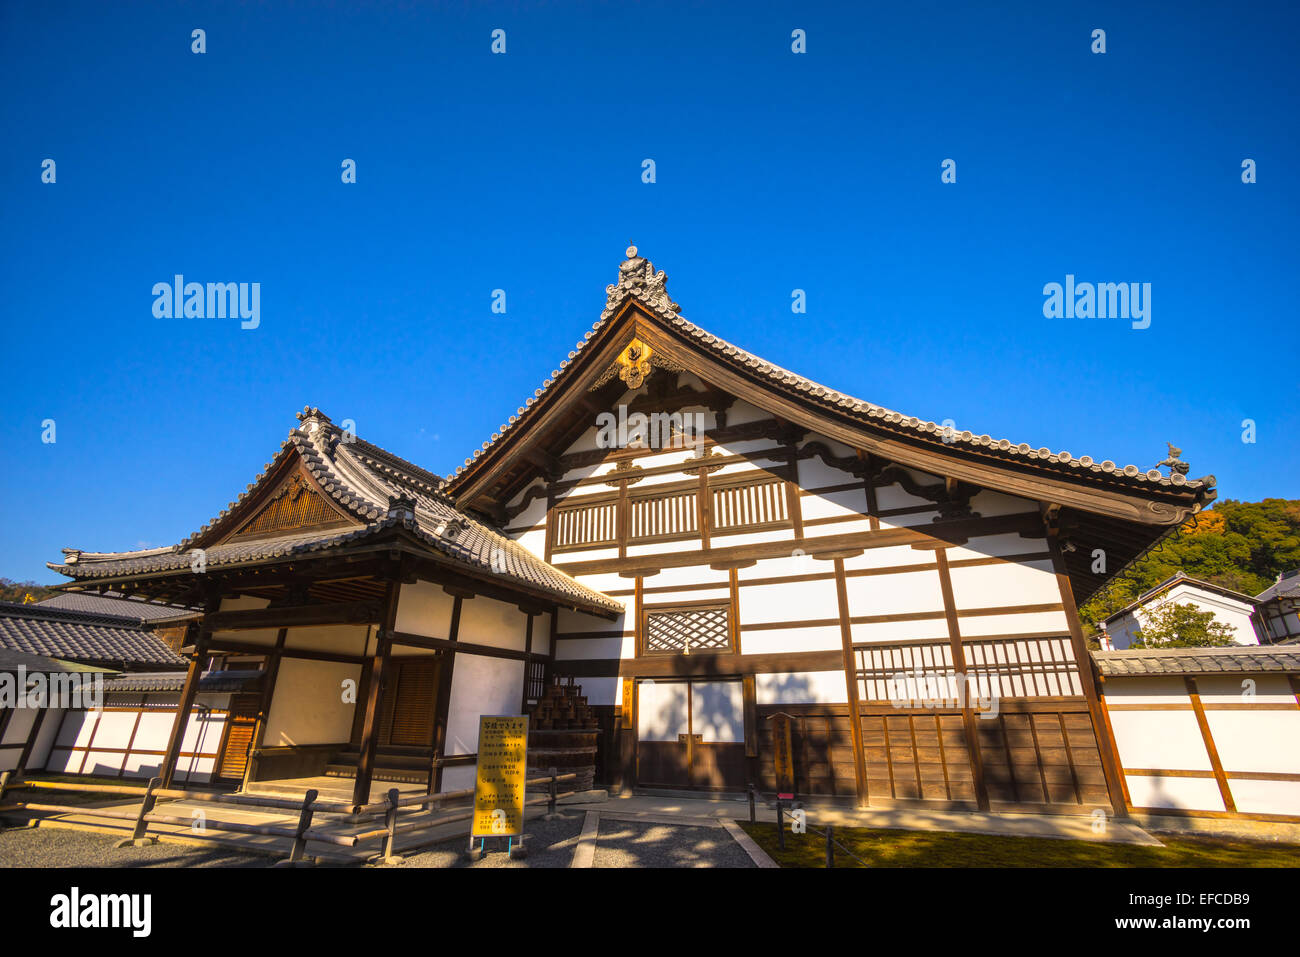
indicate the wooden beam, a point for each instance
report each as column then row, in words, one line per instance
column 188, row 693
column 296, row 616
column 1211, row 749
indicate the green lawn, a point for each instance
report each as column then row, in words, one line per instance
column 890, row 848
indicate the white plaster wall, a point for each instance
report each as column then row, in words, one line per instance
column 480, row 685
column 787, row 602
column 423, row 608
column 801, row 687
column 338, row 639
column 1192, row 794
column 308, row 706
column 486, row 621
column 897, row 594
column 807, row 638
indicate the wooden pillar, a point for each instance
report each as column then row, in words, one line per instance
column 264, row 707
column 446, row 668
column 374, row 697
column 1109, row 759
column 188, row 693
column 968, row 718
column 851, row 682
column 528, row 663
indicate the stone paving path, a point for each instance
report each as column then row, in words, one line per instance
column 637, row 844
column 62, row 847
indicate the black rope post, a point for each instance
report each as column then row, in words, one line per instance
column 830, row 847
column 780, row 824
column 751, row 803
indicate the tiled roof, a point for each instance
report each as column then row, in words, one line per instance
column 1287, row 586
column 638, row 280
column 1133, row 663
column 11, row 660
column 382, row 492
column 209, row 681
column 116, row 606
column 77, row 636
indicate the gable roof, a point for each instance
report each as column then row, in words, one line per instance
column 1125, row 508
column 640, row 285
column 1169, row 583
column 375, row 495
column 104, row 640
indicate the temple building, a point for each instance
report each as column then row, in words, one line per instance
column 713, row 548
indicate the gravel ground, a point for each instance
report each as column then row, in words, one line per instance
column 629, row 844
column 55, row 847
column 549, row 843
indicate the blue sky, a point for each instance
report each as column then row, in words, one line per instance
column 774, row 171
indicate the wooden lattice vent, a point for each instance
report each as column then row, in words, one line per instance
column 295, row 504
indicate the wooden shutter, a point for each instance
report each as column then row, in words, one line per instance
column 409, row 722
column 239, row 738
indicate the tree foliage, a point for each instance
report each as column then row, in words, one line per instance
column 1171, row 625
column 11, row 590
column 1239, row 545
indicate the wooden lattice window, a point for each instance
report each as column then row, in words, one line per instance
column 586, row 526
column 750, row 505
column 664, row 517
column 685, row 631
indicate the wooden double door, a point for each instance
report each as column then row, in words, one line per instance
column 691, row 734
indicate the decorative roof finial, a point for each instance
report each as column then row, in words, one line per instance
column 637, row 277
column 1175, row 464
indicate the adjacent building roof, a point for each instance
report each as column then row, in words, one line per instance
column 1173, row 580
column 233, row 680
column 380, row 494
column 103, row 640
column 1196, row 661
column 1286, row 586
column 11, row 661
column 117, row 606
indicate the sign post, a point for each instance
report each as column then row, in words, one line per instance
column 783, row 756
column 500, row 780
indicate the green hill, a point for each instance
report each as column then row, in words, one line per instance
column 1238, row 545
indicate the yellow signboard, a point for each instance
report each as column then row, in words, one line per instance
column 499, row 784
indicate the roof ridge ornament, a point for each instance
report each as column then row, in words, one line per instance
column 637, row 277
column 1175, row 464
